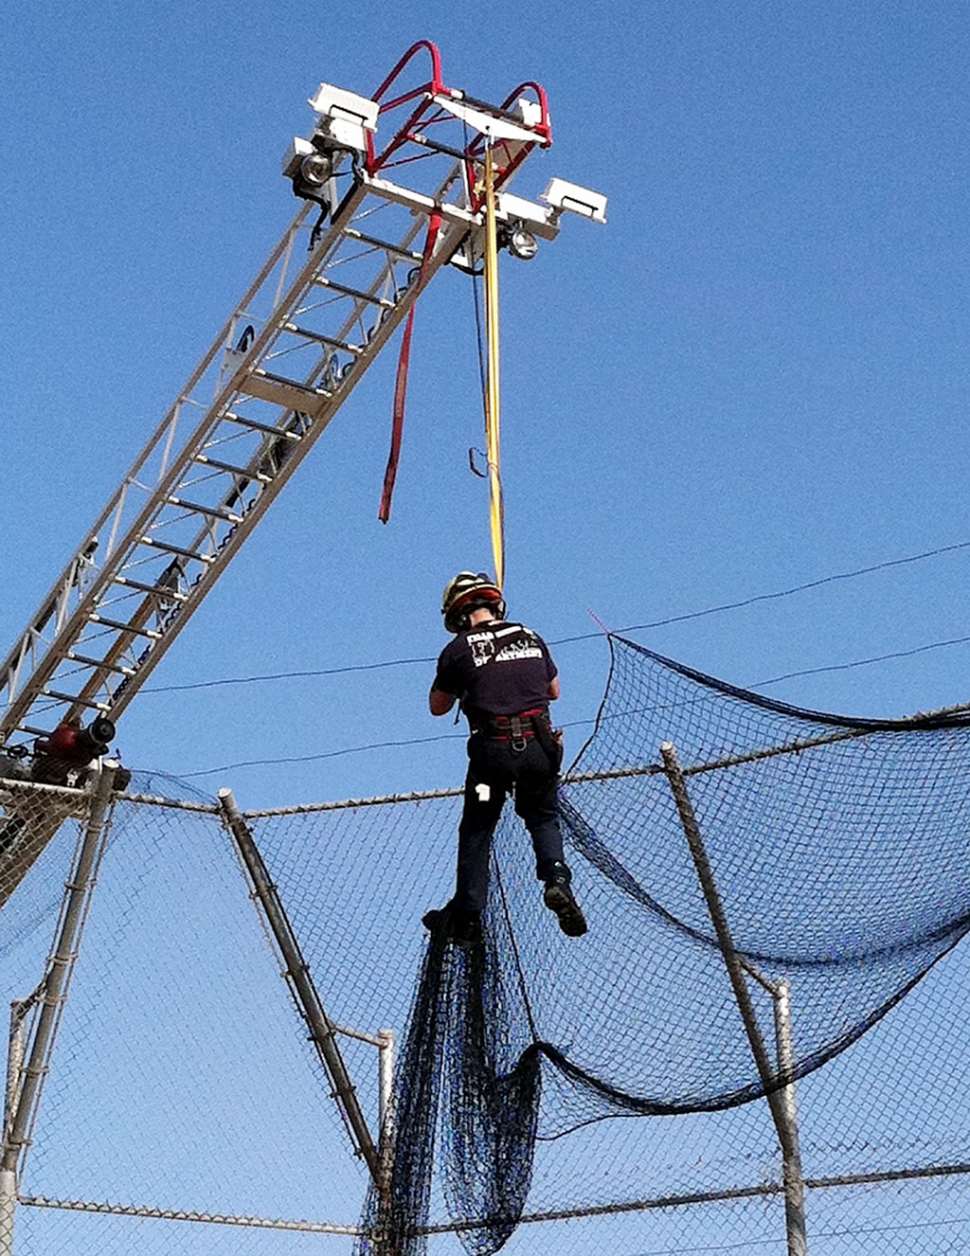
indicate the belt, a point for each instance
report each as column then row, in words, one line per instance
column 516, row 728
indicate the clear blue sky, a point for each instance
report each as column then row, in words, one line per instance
column 754, row 376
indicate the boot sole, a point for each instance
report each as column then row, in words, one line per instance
column 571, row 919
column 440, row 923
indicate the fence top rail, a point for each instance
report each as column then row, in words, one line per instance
column 177, row 1214
column 382, row 800
column 156, row 800
column 428, row 795
column 69, row 793
column 571, row 778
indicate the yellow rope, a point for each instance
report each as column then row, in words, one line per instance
column 496, row 509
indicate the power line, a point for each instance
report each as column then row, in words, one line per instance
column 419, row 741
column 876, row 658
column 574, row 724
column 588, row 636
column 336, row 754
column 799, row 588
column 300, row 675
column 328, row 754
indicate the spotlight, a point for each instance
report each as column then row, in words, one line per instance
column 310, row 169
column 523, row 244
column 316, row 168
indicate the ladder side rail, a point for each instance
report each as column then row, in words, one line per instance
column 390, row 315
column 150, row 604
column 360, row 305
column 397, row 255
column 53, row 604
column 225, row 548
column 234, row 538
column 71, row 629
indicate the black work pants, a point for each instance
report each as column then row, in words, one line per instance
column 495, row 769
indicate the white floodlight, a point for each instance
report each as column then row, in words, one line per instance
column 572, row 199
column 311, row 171
column 295, row 155
column 523, row 244
column 344, row 116
column 538, row 220
column 316, row 168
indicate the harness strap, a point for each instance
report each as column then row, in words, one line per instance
column 516, row 727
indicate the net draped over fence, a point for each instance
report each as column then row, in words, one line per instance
column 182, row 1081
column 840, row 851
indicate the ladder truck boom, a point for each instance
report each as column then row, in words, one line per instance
column 325, row 303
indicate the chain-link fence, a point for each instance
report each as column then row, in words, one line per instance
column 170, row 1091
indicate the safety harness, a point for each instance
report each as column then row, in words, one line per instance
column 517, row 728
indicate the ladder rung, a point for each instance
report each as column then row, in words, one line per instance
column 177, row 549
column 241, row 472
column 280, row 391
column 292, row 385
column 384, row 302
column 214, row 512
column 170, row 595
column 241, row 419
column 33, row 732
column 294, row 330
column 100, row 664
column 354, row 234
column 73, row 699
column 151, row 633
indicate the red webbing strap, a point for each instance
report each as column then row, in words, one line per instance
column 401, row 384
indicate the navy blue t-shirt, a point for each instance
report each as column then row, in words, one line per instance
column 496, row 669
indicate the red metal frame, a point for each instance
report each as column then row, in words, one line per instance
column 508, row 156
column 475, row 152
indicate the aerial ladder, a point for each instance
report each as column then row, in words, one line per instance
column 378, row 220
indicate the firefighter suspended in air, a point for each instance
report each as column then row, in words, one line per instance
column 504, row 678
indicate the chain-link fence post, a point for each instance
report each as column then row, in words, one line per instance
column 382, row 1239
column 791, row 1152
column 779, row 1101
column 15, row 1061
column 322, row 1030
column 25, row 1080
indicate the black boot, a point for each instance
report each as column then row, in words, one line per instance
column 466, row 928
column 558, row 897
column 436, row 919
column 463, row 928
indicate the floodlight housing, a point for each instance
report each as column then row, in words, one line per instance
column 295, row 155
column 570, row 198
column 311, row 171
column 539, row 220
column 316, row 168
column 344, row 117
column 523, row 244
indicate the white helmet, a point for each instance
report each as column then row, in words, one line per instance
column 467, row 592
